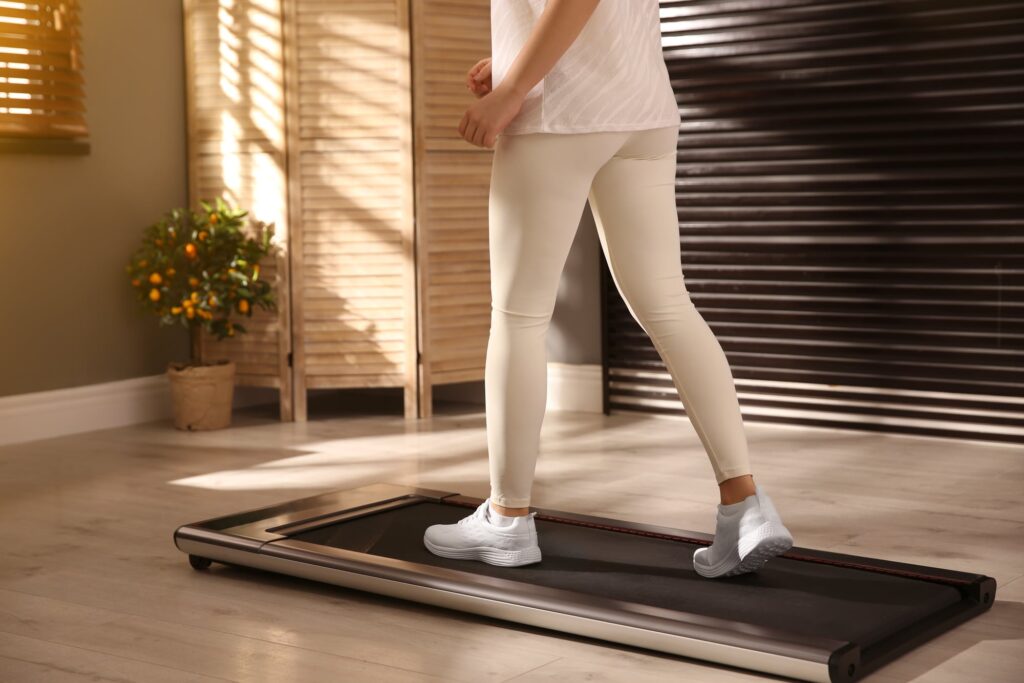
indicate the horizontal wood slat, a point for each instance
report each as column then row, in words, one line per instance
column 851, row 217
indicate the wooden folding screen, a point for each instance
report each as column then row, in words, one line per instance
column 234, row 60
column 849, row 193
column 350, row 187
column 452, row 181
column 386, row 272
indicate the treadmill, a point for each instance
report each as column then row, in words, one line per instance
column 806, row 614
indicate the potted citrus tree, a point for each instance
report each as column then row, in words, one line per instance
column 201, row 270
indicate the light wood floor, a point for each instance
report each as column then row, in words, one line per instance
column 93, row 588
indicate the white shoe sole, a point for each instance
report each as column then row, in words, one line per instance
column 496, row 556
column 753, row 550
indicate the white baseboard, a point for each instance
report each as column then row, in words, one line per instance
column 49, row 414
column 575, row 388
column 59, row 412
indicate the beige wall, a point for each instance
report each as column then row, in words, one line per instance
column 575, row 332
column 68, row 224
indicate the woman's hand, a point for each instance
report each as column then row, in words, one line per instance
column 478, row 79
column 488, row 116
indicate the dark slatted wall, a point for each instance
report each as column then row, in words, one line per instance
column 851, row 213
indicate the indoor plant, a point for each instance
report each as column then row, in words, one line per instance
column 198, row 269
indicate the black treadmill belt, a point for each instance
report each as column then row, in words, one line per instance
column 799, row 596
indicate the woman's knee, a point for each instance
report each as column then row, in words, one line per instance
column 656, row 308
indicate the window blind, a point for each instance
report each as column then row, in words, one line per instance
column 851, row 215
column 41, row 84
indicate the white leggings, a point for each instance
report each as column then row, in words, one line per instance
column 540, row 183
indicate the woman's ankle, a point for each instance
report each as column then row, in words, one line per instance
column 736, row 489
column 509, row 512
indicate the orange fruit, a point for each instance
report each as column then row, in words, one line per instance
column 136, row 282
column 176, row 310
column 155, row 279
column 190, row 250
column 154, row 294
column 243, row 306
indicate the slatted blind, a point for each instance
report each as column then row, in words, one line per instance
column 41, row 84
column 851, row 213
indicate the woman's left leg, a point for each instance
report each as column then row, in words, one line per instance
column 633, row 199
column 539, row 187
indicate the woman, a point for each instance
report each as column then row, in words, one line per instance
column 577, row 103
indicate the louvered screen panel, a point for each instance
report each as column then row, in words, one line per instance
column 851, row 214
column 452, row 183
column 234, row 69
column 354, row 306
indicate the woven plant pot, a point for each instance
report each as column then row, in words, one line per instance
column 202, row 394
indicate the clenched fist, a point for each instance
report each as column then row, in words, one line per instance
column 496, row 107
column 478, row 79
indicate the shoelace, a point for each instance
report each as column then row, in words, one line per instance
column 479, row 513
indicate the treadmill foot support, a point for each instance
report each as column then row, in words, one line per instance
column 199, row 563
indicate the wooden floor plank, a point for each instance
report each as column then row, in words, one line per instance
column 28, row 660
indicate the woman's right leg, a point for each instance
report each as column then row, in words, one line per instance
column 634, row 205
column 539, row 188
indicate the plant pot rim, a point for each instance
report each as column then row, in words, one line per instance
column 224, row 364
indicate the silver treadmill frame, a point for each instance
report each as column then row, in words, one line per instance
column 258, row 538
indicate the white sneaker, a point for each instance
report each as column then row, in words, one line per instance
column 745, row 538
column 476, row 538
column 768, row 507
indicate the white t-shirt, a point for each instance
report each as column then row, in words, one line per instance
column 612, row 77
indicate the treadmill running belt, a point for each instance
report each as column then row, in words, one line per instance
column 844, row 603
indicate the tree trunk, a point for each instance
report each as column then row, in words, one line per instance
column 193, row 332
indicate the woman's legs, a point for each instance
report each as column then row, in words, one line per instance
column 633, row 199
column 539, row 187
